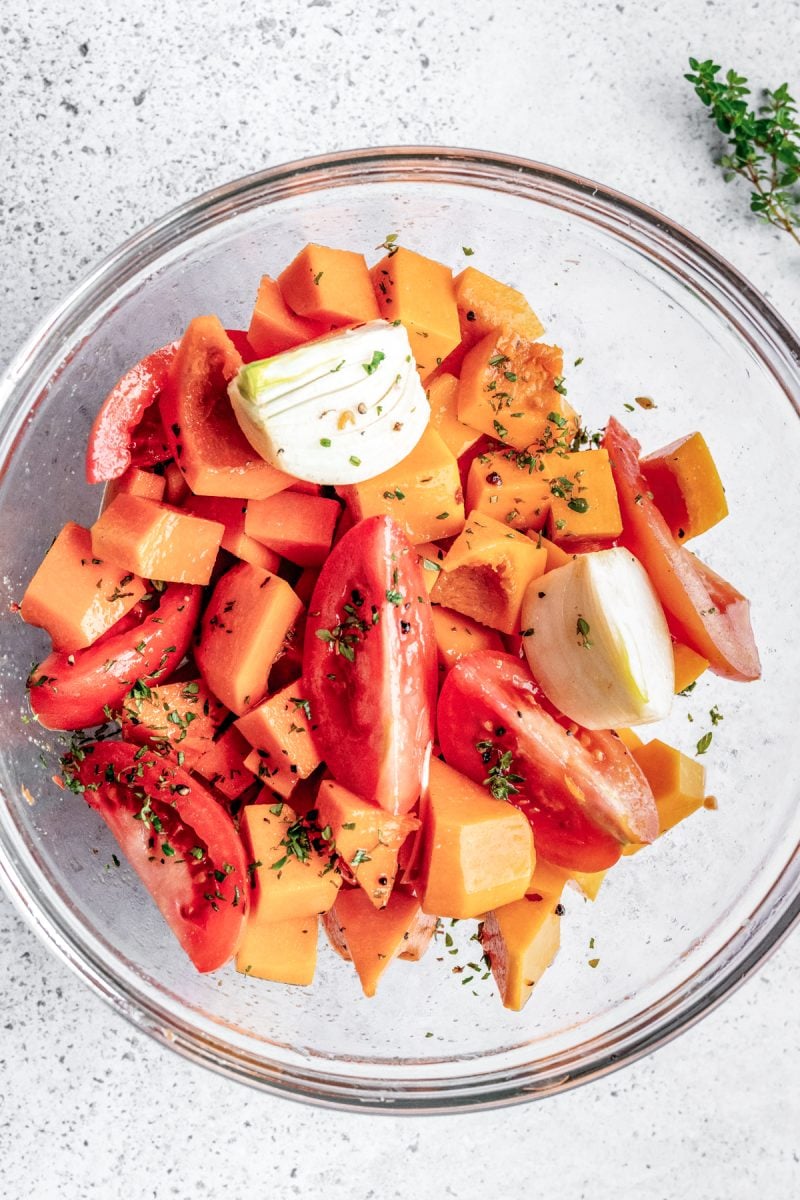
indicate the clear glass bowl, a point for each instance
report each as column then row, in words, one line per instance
column 651, row 312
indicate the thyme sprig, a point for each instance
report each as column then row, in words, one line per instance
column 763, row 144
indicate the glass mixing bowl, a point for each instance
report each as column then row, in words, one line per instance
column 651, row 312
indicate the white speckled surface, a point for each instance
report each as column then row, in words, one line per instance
column 114, row 115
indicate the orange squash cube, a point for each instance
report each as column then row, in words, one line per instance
column 509, row 487
column 372, row 937
column 273, row 326
column 556, row 557
column 135, row 482
column 284, row 887
column 231, row 513
column 422, row 493
column 156, row 541
column 419, row 292
column 583, row 496
column 295, row 525
column 477, row 851
column 367, row 838
column 678, row 783
column 223, row 765
column 458, row 635
column 487, row 306
column 281, row 734
column 329, row 286
column 689, row 666
column 184, row 714
column 521, row 940
column 75, row 595
column 242, row 632
column 280, row 951
column 686, row 486
column 443, row 399
column 430, row 558
column 508, row 389
column 486, row 571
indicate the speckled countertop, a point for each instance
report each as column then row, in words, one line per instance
column 112, row 112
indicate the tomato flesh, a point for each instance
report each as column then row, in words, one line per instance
column 179, row 840
column 704, row 611
column 114, row 434
column 369, row 665
column 582, row 791
column 73, row 691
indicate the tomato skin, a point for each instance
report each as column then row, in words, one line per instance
column 118, row 779
column 108, row 453
column 703, row 611
column 374, row 719
column 582, row 792
column 75, row 693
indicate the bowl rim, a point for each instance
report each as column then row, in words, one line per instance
column 754, row 318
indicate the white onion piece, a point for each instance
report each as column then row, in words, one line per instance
column 597, row 641
column 337, row 410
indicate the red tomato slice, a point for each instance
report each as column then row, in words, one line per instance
column 73, row 691
column 703, row 610
column 369, row 665
column 108, row 453
column 179, row 840
column 582, row 791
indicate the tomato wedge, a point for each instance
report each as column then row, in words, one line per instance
column 582, row 791
column 703, row 611
column 179, row 840
column 108, row 453
column 369, row 665
column 73, row 691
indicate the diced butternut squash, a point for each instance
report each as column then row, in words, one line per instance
column 478, row 851
column 331, row 286
column 689, row 666
column 295, row 525
column 686, row 486
column 223, row 765
column 443, row 399
column 422, row 493
column 176, row 489
column 280, row 730
column 371, row 936
column 678, row 783
column 135, row 482
column 156, row 541
column 430, row 558
column 284, row 887
column 366, row 837
column 203, row 435
column 547, row 882
column 510, row 487
column 418, row 938
column 75, row 595
column 242, row 632
column 588, row 882
column 629, row 738
column 508, row 388
column 583, row 496
column 185, row 714
column 231, row 513
column 273, row 326
column 487, row 306
column 521, row 941
column 486, row 571
column 280, row 951
column 556, row 557
column 458, row 635
column 419, row 292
